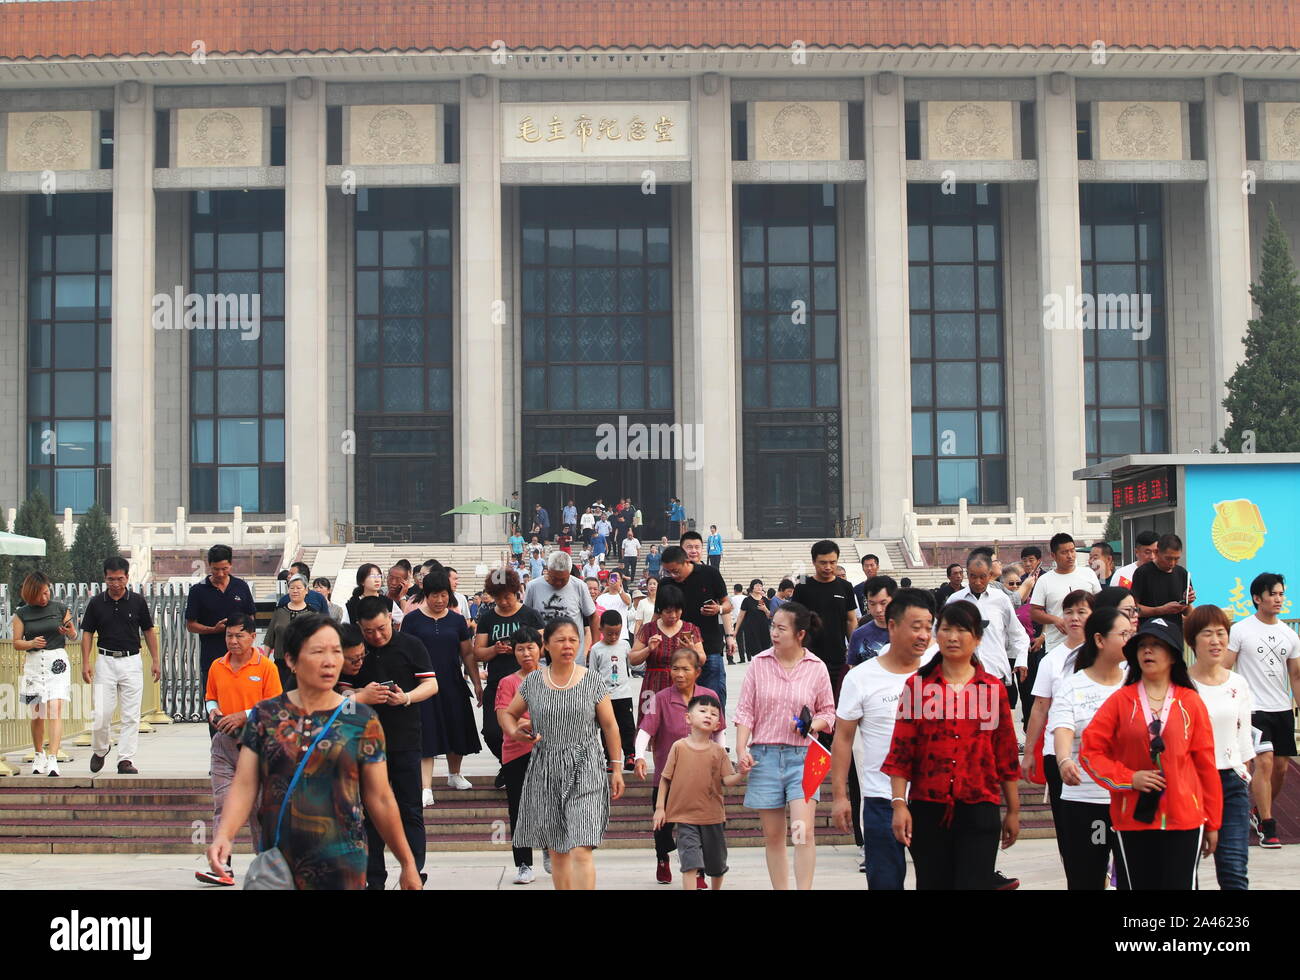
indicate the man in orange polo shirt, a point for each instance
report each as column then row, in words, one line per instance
column 236, row 683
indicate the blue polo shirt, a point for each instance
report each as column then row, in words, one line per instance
column 207, row 605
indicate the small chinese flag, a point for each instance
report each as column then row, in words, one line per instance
column 816, row 764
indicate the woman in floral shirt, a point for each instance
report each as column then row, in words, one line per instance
column 954, row 742
column 323, row 836
column 658, row 640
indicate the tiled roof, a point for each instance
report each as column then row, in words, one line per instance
column 107, row 28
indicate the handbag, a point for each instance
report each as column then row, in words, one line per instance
column 270, row 870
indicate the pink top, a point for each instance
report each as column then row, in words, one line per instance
column 772, row 697
column 506, row 691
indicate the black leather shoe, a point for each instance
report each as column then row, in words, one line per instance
column 126, row 768
column 97, row 761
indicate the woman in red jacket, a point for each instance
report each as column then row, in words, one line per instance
column 1152, row 746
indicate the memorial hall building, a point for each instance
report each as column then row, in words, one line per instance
column 839, row 262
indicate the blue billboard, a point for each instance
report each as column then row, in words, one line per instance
column 1241, row 520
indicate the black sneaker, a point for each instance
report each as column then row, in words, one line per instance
column 97, row 761
column 500, row 781
column 1268, row 834
column 208, row 878
column 126, row 768
column 1002, row 883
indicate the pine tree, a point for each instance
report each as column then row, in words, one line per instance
column 1264, row 391
column 93, row 542
column 35, row 521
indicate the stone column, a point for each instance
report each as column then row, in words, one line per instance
column 889, row 398
column 483, row 326
column 1227, row 232
column 713, row 495
column 307, row 441
column 1061, row 365
column 132, row 373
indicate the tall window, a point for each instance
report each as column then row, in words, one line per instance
column 958, row 390
column 237, row 374
column 69, row 342
column 403, row 354
column 1124, row 358
column 597, row 339
column 790, row 384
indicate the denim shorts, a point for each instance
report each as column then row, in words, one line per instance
column 777, row 776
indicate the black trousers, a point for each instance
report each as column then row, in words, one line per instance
column 514, row 772
column 404, row 778
column 1052, row 773
column 629, row 569
column 959, row 856
column 665, row 843
column 1160, row 860
column 1027, row 686
column 715, row 561
column 626, row 719
column 1087, row 840
column 855, row 800
column 492, row 736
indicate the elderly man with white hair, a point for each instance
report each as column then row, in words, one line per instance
column 559, row 594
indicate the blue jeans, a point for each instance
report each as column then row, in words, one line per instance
column 713, row 675
column 886, row 861
column 1231, row 854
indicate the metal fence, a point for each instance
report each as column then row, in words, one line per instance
column 181, row 695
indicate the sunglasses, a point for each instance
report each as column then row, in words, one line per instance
column 1013, row 581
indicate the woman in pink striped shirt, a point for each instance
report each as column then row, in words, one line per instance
column 780, row 683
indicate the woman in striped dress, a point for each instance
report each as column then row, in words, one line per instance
column 567, row 791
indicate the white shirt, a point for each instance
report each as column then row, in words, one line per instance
column 1230, row 705
column 1124, row 576
column 1262, row 654
column 607, row 600
column 1050, row 670
column 1005, row 641
column 1078, row 698
column 869, row 696
column 1050, row 591
column 587, row 520
column 631, row 547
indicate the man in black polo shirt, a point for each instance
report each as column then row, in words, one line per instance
column 832, row 599
column 707, row 606
column 218, row 597
column 115, row 619
column 1163, row 587
column 401, row 664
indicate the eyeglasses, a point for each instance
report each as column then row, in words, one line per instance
column 1013, row 581
column 1157, row 741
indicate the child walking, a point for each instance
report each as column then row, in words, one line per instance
column 609, row 661
column 696, row 771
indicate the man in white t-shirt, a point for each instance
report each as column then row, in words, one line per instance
column 1144, row 550
column 631, row 548
column 1266, row 652
column 616, row 599
column 1052, row 588
column 864, row 731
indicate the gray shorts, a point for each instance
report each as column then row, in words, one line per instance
column 702, row 846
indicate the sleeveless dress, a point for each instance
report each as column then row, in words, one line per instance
column 565, row 800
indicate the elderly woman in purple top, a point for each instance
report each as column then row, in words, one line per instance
column 663, row 722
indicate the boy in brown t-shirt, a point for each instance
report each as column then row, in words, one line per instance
column 697, row 769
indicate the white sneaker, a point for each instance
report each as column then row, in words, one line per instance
column 524, row 875
column 52, row 766
column 457, row 781
column 426, row 798
column 39, row 764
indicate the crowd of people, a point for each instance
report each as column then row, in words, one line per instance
column 1149, row 765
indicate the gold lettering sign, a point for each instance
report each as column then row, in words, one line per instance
column 608, row 129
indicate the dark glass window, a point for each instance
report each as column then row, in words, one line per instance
column 69, row 348
column 1125, row 354
column 789, row 353
column 237, row 352
column 957, row 344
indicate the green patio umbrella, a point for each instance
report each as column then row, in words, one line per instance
column 18, row 544
column 480, row 507
column 566, row 476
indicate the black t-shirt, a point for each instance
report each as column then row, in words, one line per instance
column 405, row 662
column 832, row 601
column 1152, row 587
column 497, row 627
column 117, row 623
column 703, row 584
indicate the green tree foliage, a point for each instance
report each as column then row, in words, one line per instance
column 1264, row 391
column 35, row 521
column 93, row 542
